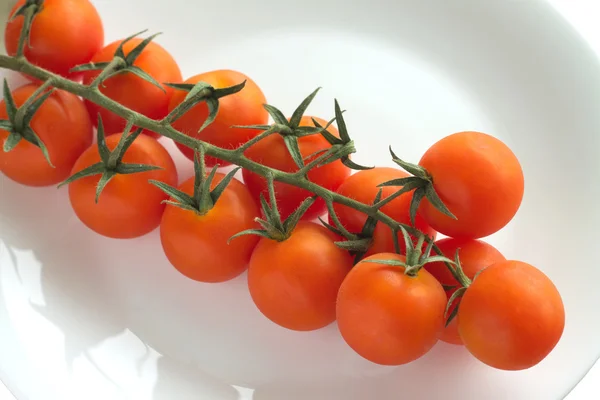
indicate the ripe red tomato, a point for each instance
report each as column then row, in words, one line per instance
column 295, row 282
column 512, row 316
column 273, row 153
column 62, row 124
column 478, row 178
column 131, row 90
column 362, row 186
column 129, row 205
column 64, row 34
column 212, row 259
column 474, row 255
column 387, row 316
column 242, row 108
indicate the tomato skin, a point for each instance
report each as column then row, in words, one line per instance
column 242, row 108
column 57, row 43
column 129, row 205
column 474, row 255
column 64, row 126
column 388, row 317
column 212, row 259
column 273, row 153
column 362, row 187
column 478, row 178
column 512, row 316
column 132, row 91
column 295, row 282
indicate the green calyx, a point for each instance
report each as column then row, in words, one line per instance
column 122, row 63
column 464, row 283
column 422, row 184
column 356, row 243
column 203, row 198
column 272, row 226
column 291, row 131
column 18, row 124
column 28, row 11
column 197, row 93
column 416, row 258
column 111, row 162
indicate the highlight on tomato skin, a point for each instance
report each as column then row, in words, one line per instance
column 387, row 316
column 56, row 40
column 478, row 178
column 213, row 259
column 243, row 108
column 62, row 124
column 129, row 206
column 512, row 316
column 475, row 255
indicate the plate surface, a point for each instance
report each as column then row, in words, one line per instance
column 94, row 318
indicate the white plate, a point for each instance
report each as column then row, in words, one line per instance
column 94, row 318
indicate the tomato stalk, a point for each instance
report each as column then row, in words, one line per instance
column 235, row 156
column 28, row 10
column 203, row 199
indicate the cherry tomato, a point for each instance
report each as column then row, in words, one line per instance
column 212, row 260
column 362, row 187
column 478, row 178
column 242, row 108
column 512, row 316
column 62, row 124
column 474, row 255
column 295, row 282
column 131, row 90
column 64, row 34
column 273, row 153
column 387, row 316
column 129, row 206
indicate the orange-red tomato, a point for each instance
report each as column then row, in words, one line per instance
column 512, row 316
column 242, row 108
column 295, row 282
column 474, row 255
column 478, row 178
column 273, row 153
column 64, row 34
column 362, row 187
column 129, row 205
column 131, row 90
column 387, row 316
column 212, row 259
column 62, row 124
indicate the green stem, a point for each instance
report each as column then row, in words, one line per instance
column 22, row 111
column 186, row 106
column 114, row 65
column 233, row 156
column 23, row 38
column 271, row 131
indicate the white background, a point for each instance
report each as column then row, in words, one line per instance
column 584, row 16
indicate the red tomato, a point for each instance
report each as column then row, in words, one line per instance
column 295, row 282
column 62, row 124
column 129, row 205
column 242, row 108
column 387, row 316
column 212, row 260
column 132, row 91
column 474, row 255
column 64, row 34
column 512, row 316
column 273, row 153
column 478, row 178
column 362, row 186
